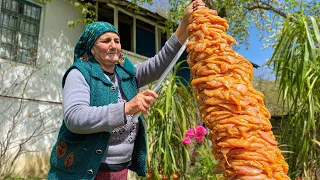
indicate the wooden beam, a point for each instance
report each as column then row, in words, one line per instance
column 137, row 16
column 115, row 18
column 157, row 38
column 134, row 34
column 97, row 11
column 125, row 3
column 1, row 4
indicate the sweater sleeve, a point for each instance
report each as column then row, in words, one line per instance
column 79, row 116
column 153, row 68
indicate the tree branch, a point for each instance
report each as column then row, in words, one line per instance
column 268, row 7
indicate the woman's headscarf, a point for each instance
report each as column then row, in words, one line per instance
column 89, row 36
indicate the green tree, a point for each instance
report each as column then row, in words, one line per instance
column 267, row 16
column 296, row 60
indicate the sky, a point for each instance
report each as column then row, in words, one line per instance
column 257, row 55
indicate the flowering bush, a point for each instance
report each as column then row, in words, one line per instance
column 202, row 162
column 195, row 134
column 198, row 134
column 186, row 141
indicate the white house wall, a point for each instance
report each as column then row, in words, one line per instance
column 30, row 96
column 39, row 100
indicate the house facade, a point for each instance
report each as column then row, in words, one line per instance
column 36, row 47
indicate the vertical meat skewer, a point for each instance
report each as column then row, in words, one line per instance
column 233, row 110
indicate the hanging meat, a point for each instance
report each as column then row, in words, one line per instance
column 233, row 110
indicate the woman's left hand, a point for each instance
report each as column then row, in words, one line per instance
column 181, row 32
column 195, row 5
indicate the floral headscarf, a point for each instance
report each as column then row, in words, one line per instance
column 89, row 36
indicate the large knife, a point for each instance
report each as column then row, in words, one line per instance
column 156, row 87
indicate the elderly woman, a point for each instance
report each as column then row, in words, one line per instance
column 97, row 139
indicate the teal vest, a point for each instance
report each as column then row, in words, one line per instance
column 78, row 156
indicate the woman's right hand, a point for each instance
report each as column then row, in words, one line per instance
column 140, row 103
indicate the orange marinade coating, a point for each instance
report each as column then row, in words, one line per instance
column 240, row 130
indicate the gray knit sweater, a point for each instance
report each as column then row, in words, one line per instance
column 81, row 118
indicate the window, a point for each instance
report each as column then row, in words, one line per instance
column 19, row 31
column 125, row 31
column 125, row 25
column 146, row 43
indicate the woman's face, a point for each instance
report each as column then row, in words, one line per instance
column 106, row 50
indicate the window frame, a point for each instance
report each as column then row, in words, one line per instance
column 17, row 44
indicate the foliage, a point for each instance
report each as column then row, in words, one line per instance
column 202, row 161
column 269, row 88
column 297, row 61
column 267, row 16
column 171, row 114
column 204, row 166
column 86, row 8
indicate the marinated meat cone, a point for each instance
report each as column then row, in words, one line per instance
column 233, row 110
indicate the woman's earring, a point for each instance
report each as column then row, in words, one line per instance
column 122, row 58
column 84, row 58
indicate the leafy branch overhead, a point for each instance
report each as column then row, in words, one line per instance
column 86, row 7
column 267, row 16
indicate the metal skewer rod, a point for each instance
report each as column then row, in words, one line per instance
column 156, row 87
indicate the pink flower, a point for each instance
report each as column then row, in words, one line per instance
column 201, row 131
column 190, row 133
column 186, row 141
column 199, row 139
